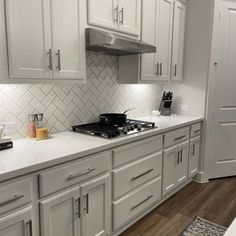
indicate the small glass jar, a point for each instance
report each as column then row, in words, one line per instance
column 32, row 126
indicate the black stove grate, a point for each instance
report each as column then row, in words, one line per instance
column 110, row 131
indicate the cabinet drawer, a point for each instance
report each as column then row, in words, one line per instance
column 176, row 137
column 136, row 150
column 195, row 130
column 15, row 194
column 136, row 202
column 131, row 176
column 62, row 177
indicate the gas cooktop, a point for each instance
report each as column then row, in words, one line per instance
column 112, row 131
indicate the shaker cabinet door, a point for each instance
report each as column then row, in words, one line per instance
column 164, row 38
column 178, row 42
column 103, row 13
column 149, row 28
column 130, row 16
column 170, row 164
column 3, row 45
column 29, row 38
column 17, row 224
column 96, row 207
column 60, row 215
column 194, row 153
column 182, row 167
column 68, row 39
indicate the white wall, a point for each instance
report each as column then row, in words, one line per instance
column 196, row 61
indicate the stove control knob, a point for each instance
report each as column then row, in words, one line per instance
column 132, row 127
column 139, row 127
column 125, row 130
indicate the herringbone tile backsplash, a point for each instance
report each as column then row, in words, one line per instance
column 64, row 105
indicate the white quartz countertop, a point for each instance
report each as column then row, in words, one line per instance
column 28, row 156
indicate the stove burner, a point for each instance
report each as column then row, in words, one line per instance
column 110, row 131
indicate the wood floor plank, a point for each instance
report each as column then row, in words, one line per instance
column 214, row 201
column 175, row 226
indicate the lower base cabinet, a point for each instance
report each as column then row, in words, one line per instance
column 128, row 207
column 84, row 210
column 175, row 166
column 17, row 224
column 194, row 154
column 96, row 207
column 60, row 215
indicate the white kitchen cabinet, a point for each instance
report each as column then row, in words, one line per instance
column 3, row 46
column 68, row 39
column 103, row 13
column 46, row 40
column 96, row 207
column 178, row 42
column 157, row 21
column 163, row 25
column 17, row 224
column 182, row 163
column 130, row 16
column 60, row 215
column 84, row 210
column 164, row 38
column 175, row 166
column 118, row 15
column 194, row 156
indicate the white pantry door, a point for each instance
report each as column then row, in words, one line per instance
column 223, row 128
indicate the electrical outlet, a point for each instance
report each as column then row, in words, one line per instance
column 9, row 128
column 184, row 107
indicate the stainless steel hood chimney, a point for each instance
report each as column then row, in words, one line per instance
column 108, row 43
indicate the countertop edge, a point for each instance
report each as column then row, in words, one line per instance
column 120, row 141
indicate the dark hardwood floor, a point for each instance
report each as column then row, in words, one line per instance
column 214, row 201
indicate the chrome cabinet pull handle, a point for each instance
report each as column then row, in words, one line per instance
column 87, row 171
column 142, row 202
column 87, row 203
column 178, row 138
column 30, row 227
column 196, row 131
column 178, row 158
column 175, row 73
column 59, row 60
column 86, row 206
column 122, row 16
column 12, row 200
column 78, row 206
column 158, row 65
column 141, row 175
column 49, row 53
column 193, row 149
column 116, row 17
column 181, row 156
column 160, row 69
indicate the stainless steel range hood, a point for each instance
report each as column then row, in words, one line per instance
column 107, row 43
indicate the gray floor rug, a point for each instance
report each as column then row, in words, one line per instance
column 202, row 227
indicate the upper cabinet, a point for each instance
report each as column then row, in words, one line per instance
column 103, row 13
column 3, row 47
column 163, row 25
column 46, row 40
column 119, row 15
column 178, row 42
